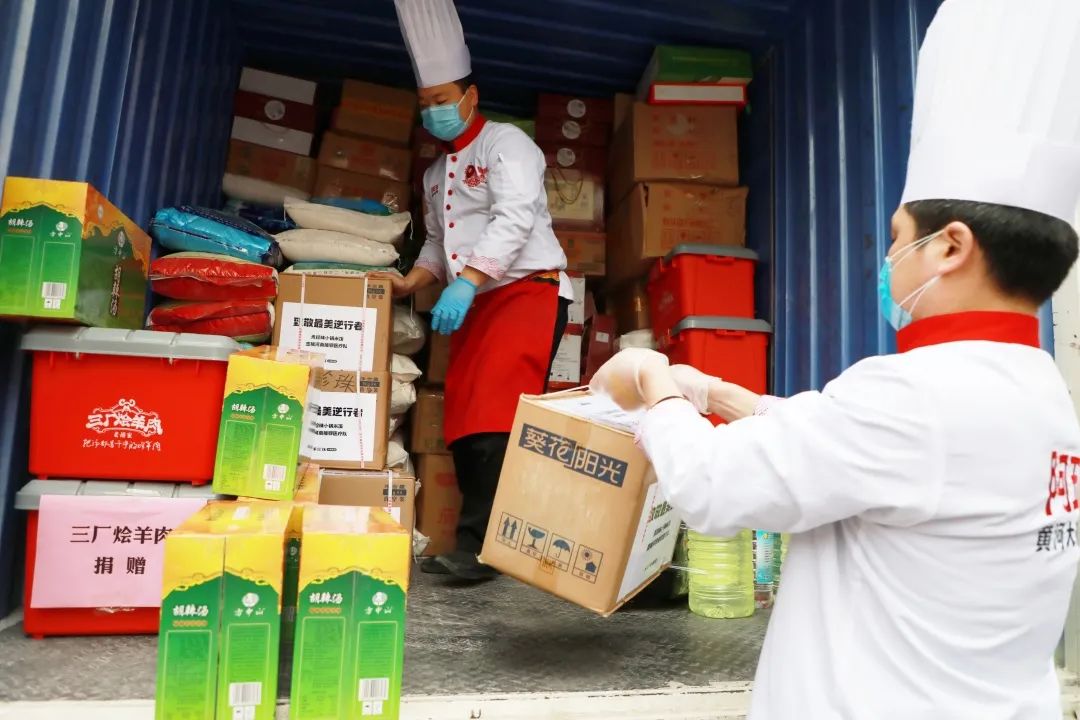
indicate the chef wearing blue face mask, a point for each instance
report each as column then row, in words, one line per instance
column 489, row 238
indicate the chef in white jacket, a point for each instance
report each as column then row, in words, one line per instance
column 932, row 493
column 489, row 238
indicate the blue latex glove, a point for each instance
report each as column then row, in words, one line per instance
column 453, row 305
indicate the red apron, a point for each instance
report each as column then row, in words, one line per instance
column 501, row 352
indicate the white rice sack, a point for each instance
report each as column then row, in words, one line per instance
column 404, row 369
column 402, row 397
column 332, row 246
column 396, row 421
column 396, row 457
column 258, row 191
column 380, row 228
column 409, row 331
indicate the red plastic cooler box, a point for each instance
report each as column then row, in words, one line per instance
column 125, row 404
column 43, row 622
column 735, row 349
column 697, row 280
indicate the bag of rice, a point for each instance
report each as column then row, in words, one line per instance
column 402, row 397
column 404, row 369
column 333, row 246
column 313, row 216
column 409, row 332
column 254, row 190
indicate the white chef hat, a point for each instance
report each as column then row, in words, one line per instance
column 997, row 106
column 435, row 41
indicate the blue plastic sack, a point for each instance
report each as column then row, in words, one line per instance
column 195, row 229
column 269, row 218
column 368, row 207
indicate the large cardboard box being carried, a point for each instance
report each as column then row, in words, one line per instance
column 656, row 217
column 327, row 313
column 376, row 111
column 578, row 512
column 439, row 503
column 347, row 423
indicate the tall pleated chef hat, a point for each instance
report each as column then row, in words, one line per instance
column 435, row 41
column 997, row 106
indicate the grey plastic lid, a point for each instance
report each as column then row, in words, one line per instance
column 130, row 343
column 733, row 251
column 29, row 497
column 718, row 322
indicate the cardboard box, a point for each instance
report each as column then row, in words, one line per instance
column 278, row 86
column 656, row 217
column 566, row 369
column 347, row 423
column 439, row 504
column 376, row 111
column 576, row 312
column 624, row 102
column 336, row 183
column 686, row 65
column 438, row 358
column 366, row 157
column 575, row 199
column 630, row 306
column 600, row 337
column 585, row 250
column 272, row 136
column 67, row 253
column 327, row 313
column 262, row 422
column 427, row 423
column 391, row 491
column 286, row 113
column 276, row 166
column 221, row 609
column 572, row 107
column 350, row 625
column 676, row 143
column 570, row 156
column 583, row 131
column 578, row 512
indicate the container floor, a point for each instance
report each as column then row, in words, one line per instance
column 501, row 637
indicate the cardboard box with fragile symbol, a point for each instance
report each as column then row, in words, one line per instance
column 579, row 512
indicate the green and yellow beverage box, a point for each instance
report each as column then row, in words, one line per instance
column 350, row 623
column 262, row 421
column 67, row 253
column 219, row 640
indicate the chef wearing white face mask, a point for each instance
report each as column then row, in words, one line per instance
column 933, row 493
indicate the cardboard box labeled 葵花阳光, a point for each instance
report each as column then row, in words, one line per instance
column 438, row 506
column 67, row 253
column 655, row 217
column 366, row 157
column 680, row 143
column 327, row 313
column 276, row 166
column 347, row 420
column 578, row 512
column 376, row 111
column 438, row 359
column 337, row 183
column 586, row 251
column 427, row 423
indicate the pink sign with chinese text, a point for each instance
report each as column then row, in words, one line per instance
column 103, row 551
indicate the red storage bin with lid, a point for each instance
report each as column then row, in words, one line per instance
column 701, row 280
column 735, row 349
column 125, row 404
column 44, row 622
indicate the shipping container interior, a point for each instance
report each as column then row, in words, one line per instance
column 135, row 96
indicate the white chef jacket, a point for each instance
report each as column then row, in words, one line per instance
column 933, row 494
column 485, row 207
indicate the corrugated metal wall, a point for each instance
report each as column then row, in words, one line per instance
column 133, row 96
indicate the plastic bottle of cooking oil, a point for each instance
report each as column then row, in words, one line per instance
column 779, row 553
column 765, row 552
column 721, row 575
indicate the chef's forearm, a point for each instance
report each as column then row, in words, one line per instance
column 420, row 278
column 474, row 276
column 732, row 402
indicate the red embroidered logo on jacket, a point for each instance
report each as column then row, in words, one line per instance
column 475, row 176
column 434, row 190
column 1064, row 474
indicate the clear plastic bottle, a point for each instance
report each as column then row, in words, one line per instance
column 721, row 575
column 765, row 552
column 779, row 553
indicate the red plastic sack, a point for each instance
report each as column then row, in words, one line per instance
column 203, row 276
column 248, row 320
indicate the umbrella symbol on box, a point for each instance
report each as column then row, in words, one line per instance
column 537, row 535
column 562, row 546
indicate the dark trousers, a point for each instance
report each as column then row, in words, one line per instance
column 478, row 461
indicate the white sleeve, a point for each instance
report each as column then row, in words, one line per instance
column 432, row 257
column 517, row 186
column 868, row 445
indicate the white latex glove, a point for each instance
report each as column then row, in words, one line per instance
column 620, row 377
column 694, row 385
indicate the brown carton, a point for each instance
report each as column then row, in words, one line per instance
column 328, row 314
column 427, row 423
column 575, row 199
column 438, row 358
column 347, row 421
column 335, row 182
column 376, row 111
column 392, row 491
column 675, row 142
column 630, row 306
column 276, row 166
column 623, row 104
column 366, row 157
column 585, row 251
column 439, row 504
column 656, row 217
column 578, row 512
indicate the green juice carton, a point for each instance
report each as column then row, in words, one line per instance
column 262, row 422
column 68, row 254
column 350, row 623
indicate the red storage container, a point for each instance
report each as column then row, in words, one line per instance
column 125, row 404
column 44, row 622
column 735, row 349
column 701, row 280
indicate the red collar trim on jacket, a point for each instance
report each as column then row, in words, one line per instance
column 1003, row 327
column 463, row 140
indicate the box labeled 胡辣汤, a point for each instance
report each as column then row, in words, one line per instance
column 578, row 512
column 67, row 253
column 348, row 421
column 350, row 625
column 262, row 422
column 219, row 638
